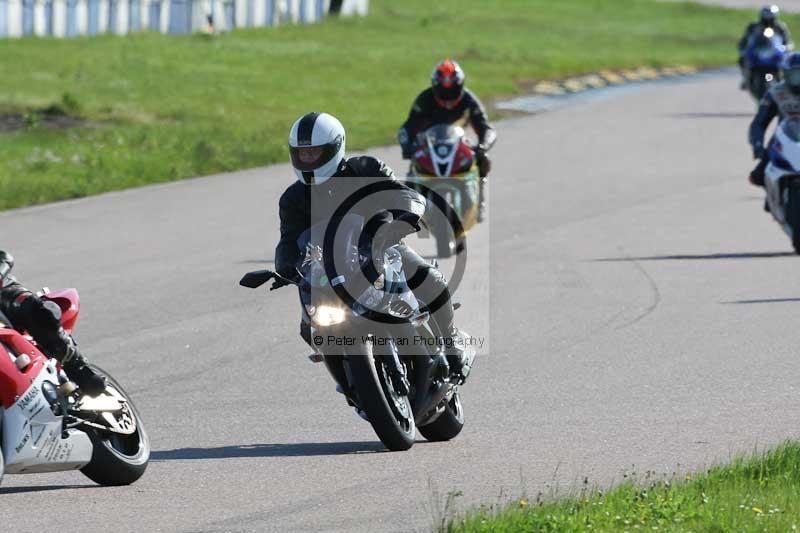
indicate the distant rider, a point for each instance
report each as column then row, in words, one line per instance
column 447, row 101
column 782, row 100
column 767, row 18
column 326, row 178
column 27, row 312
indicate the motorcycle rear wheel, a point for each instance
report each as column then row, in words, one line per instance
column 118, row 459
column 447, row 425
column 395, row 430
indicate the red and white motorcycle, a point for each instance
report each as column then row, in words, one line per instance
column 47, row 425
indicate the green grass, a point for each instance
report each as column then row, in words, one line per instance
column 162, row 108
column 756, row 493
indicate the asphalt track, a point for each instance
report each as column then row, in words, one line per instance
column 642, row 319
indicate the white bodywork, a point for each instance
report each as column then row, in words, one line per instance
column 787, row 143
column 31, row 433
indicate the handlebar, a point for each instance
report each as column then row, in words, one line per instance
column 280, row 281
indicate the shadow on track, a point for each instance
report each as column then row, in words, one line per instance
column 763, row 301
column 305, row 449
column 255, row 262
column 712, row 115
column 44, row 488
column 699, row 257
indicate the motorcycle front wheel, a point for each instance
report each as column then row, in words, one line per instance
column 118, row 459
column 442, row 230
column 388, row 411
column 448, row 424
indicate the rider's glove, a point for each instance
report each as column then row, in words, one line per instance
column 758, row 151
column 390, row 228
column 408, row 151
column 406, row 145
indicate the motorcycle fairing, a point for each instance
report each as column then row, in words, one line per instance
column 314, row 291
column 765, row 51
column 31, row 432
column 443, row 153
column 69, row 303
column 784, row 165
column 13, row 381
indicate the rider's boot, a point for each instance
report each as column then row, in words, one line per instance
column 757, row 175
column 79, row 371
column 482, row 200
column 484, row 167
column 456, row 357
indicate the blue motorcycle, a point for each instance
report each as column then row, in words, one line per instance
column 762, row 61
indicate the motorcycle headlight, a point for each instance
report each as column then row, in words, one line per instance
column 327, row 315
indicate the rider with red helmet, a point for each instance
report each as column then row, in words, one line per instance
column 447, row 101
column 23, row 310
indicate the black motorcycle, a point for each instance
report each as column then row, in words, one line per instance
column 381, row 348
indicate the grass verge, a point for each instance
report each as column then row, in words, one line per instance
column 756, row 493
column 150, row 108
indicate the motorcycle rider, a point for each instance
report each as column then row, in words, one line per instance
column 28, row 313
column 767, row 18
column 326, row 178
column 447, row 101
column 782, row 100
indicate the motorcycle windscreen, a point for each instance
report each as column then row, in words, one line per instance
column 344, row 233
column 443, row 133
column 443, row 140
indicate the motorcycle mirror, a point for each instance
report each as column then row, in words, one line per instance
column 253, row 280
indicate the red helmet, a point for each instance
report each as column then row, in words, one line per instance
column 447, row 81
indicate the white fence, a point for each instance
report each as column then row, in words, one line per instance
column 67, row 18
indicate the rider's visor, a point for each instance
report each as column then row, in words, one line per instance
column 310, row 158
column 450, row 93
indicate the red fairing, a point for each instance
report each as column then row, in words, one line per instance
column 463, row 160
column 14, row 382
column 424, row 163
column 70, row 304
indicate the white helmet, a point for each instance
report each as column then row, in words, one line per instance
column 316, row 146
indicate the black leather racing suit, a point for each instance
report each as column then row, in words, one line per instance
column 302, row 206
column 780, row 101
column 27, row 312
